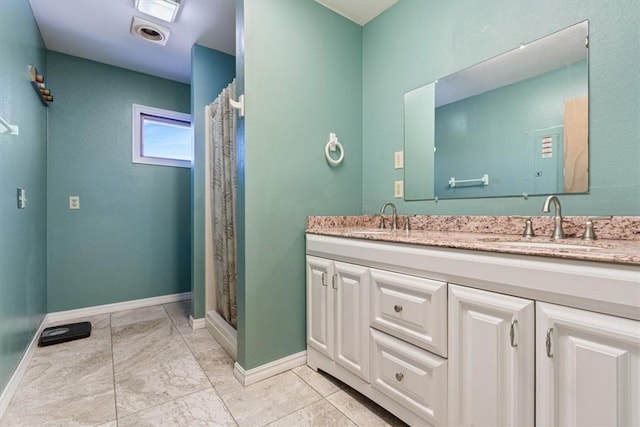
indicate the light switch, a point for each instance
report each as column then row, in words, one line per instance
column 399, row 189
column 398, row 159
column 22, row 198
column 74, row 202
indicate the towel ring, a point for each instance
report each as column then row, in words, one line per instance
column 333, row 145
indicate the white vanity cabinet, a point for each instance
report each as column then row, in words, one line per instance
column 587, row 368
column 491, row 358
column 587, row 365
column 338, row 313
column 449, row 337
column 370, row 327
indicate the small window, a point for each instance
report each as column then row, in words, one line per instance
column 161, row 137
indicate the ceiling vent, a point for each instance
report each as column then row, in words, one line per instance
column 149, row 31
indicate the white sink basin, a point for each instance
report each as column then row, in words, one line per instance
column 548, row 245
column 372, row 231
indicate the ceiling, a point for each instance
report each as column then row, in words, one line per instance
column 98, row 30
column 359, row 11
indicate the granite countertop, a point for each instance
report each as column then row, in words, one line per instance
column 493, row 234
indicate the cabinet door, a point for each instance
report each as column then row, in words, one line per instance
column 320, row 305
column 352, row 318
column 587, row 368
column 491, row 359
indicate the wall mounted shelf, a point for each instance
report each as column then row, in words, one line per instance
column 39, row 85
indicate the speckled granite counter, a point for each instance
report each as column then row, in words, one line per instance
column 618, row 238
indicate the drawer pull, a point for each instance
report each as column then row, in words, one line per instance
column 399, row 376
column 397, row 308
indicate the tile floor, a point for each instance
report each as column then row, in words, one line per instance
column 146, row 367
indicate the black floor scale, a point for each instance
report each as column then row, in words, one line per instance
column 64, row 333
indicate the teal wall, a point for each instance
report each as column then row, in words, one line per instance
column 476, row 146
column 22, row 165
column 130, row 239
column 302, row 80
column 441, row 37
column 211, row 71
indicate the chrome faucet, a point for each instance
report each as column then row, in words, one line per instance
column 394, row 218
column 558, row 232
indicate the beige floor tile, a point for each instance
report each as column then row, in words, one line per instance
column 268, row 400
column 153, row 365
column 362, row 410
column 321, row 382
column 319, row 414
column 213, row 359
column 85, row 399
column 67, row 384
column 179, row 313
column 151, row 339
column 200, row 340
column 163, row 376
column 204, row 408
column 127, row 317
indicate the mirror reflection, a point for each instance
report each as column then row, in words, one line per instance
column 514, row 124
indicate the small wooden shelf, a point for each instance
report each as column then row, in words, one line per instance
column 38, row 82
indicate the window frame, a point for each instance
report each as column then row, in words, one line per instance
column 137, row 139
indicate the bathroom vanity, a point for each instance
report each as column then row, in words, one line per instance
column 462, row 329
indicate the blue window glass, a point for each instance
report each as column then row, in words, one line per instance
column 161, row 137
column 166, row 138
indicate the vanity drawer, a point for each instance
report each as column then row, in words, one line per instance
column 411, row 308
column 409, row 375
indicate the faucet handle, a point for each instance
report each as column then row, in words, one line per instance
column 589, row 233
column 528, row 226
column 406, row 226
column 381, row 226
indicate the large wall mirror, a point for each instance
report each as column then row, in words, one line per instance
column 512, row 125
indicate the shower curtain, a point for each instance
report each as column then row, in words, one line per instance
column 222, row 185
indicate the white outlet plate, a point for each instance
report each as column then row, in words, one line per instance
column 398, row 159
column 74, row 202
column 398, row 191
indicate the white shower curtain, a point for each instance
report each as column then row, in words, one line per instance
column 221, row 137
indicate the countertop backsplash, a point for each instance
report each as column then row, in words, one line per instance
column 617, row 228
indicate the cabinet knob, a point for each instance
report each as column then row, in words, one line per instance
column 399, row 376
column 397, row 308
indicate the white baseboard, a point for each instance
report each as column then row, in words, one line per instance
column 63, row 316
column 270, row 369
column 223, row 332
column 196, row 323
column 15, row 379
